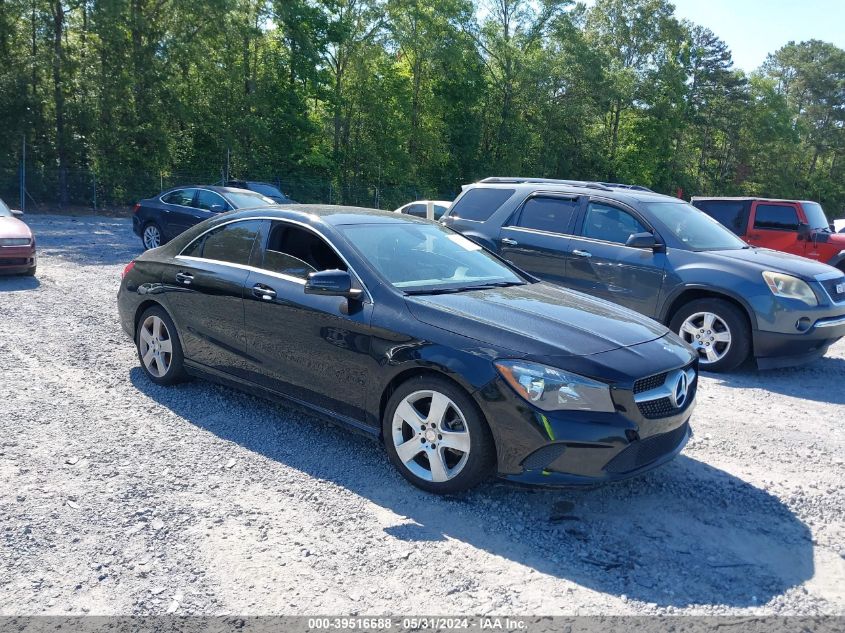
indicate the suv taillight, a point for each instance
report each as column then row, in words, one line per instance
column 137, row 206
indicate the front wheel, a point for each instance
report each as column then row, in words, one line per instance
column 717, row 330
column 436, row 437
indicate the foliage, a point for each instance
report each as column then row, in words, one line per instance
column 381, row 100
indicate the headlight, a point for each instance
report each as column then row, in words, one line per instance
column 790, row 287
column 554, row 389
column 15, row 241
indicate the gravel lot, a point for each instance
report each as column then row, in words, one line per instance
column 122, row 497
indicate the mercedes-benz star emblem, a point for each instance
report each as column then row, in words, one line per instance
column 680, row 390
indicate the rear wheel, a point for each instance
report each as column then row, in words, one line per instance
column 717, row 330
column 152, row 236
column 159, row 349
column 436, row 437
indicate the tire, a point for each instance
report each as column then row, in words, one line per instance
column 717, row 329
column 457, row 469
column 152, row 236
column 156, row 336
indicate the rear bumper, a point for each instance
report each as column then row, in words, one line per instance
column 17, row 259
column 776, row 349
column 137, row 228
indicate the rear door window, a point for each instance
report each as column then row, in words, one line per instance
column 183, row 197
column 776, row 217
column 231, row 243
column 479, row 204
column 610, row 224
column 732, row 214
column 549, row 214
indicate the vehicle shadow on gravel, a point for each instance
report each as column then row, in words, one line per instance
column 686, row 534
column 18, row 283
column 814, row 381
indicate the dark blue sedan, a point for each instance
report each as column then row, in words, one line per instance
column 158, row 220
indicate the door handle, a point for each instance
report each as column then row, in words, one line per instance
column 580, row 253
column 185, row 278
column 263, row 292
column 509, row 242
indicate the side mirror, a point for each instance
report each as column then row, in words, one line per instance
column 803, row 231
column 642, row 240
column 332, row 283
column 16, row 212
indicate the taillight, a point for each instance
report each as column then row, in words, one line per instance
column 128, row 267
column 137, row 206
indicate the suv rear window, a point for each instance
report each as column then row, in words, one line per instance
column 732, row 214
column 479, row 204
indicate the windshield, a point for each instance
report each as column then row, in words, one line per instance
column 697, row 230
column 5, row 212
column 245, row 200
column 816, row 217
column 427, row 258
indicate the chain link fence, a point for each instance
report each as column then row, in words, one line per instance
column 85, row 189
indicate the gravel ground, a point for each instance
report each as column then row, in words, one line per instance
column 122, row 497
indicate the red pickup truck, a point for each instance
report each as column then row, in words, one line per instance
column 793, row 226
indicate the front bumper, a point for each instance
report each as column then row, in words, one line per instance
column 17, row 259
column 577, row 448
column 778, row 349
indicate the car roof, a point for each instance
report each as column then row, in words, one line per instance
column 622, row 193
column 334, row 215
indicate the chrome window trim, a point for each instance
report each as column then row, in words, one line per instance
column 303, row 225
column 525, row 229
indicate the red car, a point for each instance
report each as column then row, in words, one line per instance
column 17, row 244
column 799, row 227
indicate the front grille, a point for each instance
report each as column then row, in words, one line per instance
column 652, row 382
column 654, row 409
column 830, row 287
column 543, row 456
column 643, row 452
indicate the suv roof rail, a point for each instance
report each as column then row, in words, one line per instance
column 545, row 181
column 620, row 185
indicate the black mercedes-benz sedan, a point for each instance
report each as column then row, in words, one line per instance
column 462, row 365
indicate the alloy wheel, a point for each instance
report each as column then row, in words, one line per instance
column 431, row 436
column 152, row 237
column 708, row 334
column 155, row 346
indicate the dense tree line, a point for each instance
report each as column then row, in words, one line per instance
column 420, row 94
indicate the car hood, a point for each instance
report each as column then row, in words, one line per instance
column 12, row 227
column 776, row 261
column 536, row 319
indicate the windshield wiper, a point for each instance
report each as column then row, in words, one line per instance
column 443, row 291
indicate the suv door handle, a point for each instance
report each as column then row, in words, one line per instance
column 185, row 278
column 263, row 292
column 579, row 253
column 509, row 242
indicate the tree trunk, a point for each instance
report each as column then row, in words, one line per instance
column 59, row 94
